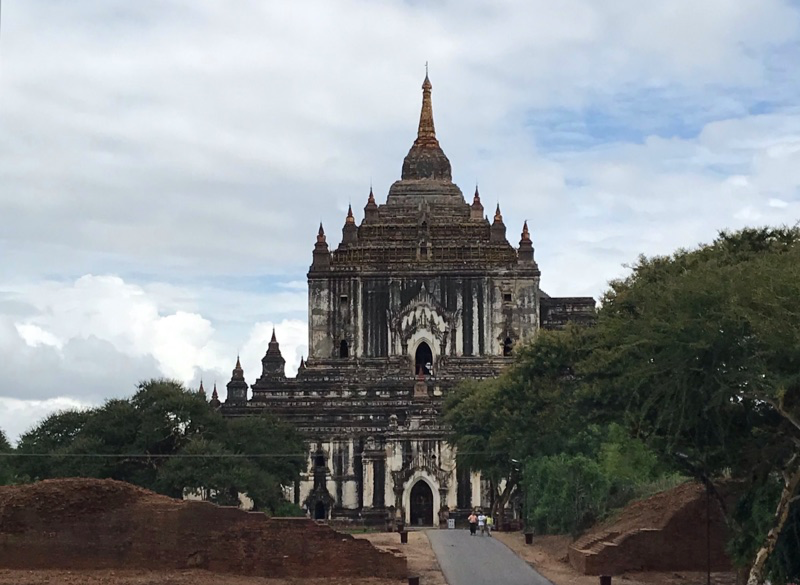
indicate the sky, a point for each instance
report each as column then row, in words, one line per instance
column 164, row 165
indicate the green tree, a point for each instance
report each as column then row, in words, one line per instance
column 702, row 348
column 167, row 438
column 258, row 456
column 529, row 411
column 54, row 434
column 6, row 467
column 275, row 455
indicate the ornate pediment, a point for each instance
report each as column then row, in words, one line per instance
column 424, row 313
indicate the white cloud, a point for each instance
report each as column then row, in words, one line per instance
column 164, row 166
column 87, row 325
column 17, row 416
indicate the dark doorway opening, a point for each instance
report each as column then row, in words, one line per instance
column 421, row 504
column 344, row 350
column 423, row 360
column 508, row 347
column 319, row 511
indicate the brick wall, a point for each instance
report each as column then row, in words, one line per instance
column 679, row 544
column 154, row 532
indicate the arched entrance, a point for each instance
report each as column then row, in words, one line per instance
column 423, row 360
column 319, row 511
column 421, row 504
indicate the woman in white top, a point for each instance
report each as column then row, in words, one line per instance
column 482, row 523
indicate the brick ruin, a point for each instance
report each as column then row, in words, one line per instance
column 423, row 293
column 93, row 524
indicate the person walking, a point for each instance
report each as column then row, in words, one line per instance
column 473, row 523
column 489, row 524
column 482, row 523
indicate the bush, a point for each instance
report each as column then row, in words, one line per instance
column 564, row 494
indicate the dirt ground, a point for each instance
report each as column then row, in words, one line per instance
column 163, row 578
column 548, row 555
column 421, row 560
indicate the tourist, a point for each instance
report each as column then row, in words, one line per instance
column 482, row 523
column 473, row 523
column 489, row 524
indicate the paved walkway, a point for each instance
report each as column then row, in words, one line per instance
column 480, row 560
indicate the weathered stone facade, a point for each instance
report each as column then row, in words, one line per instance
column 423, row 293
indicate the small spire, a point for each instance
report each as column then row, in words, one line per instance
column 215, row 396
column 350, row 218
column 526, row 235
column 477, row 197
column 274, row 339
column 201, row 389
column 238, row 372
column 302, row 365
column 497, row 215
column 321, row 234
column 371, row 198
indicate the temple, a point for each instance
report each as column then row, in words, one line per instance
column 423, row 293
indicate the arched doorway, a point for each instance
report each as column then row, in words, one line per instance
column 421, row 504
column 344, row 350
column 319, row 511
column 423, row 360
column 508, row 347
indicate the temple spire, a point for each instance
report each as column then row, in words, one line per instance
column 426, row 131
column 426, row 160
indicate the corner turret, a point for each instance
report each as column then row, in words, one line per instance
column 201, row 392
column 214, row 402
column 273, row 364
column 322, row 255
column 371, row 208
column 497, row 234
column 237, row 387
column 476, row 209
column 525, row 252
column 350, row 230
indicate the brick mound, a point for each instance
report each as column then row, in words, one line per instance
column 81, row 524
column 665, row 532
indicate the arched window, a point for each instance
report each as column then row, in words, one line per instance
column 319, row 460
column 344, row 350
column 423, row 360
column 508, row 347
